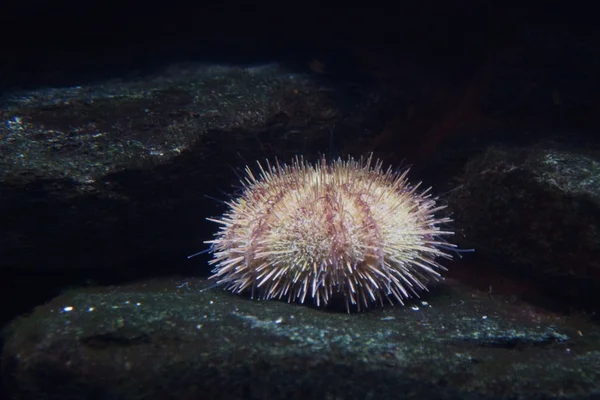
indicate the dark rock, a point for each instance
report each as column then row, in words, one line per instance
column 535, row 211
column 81, row 164
column 182, row 340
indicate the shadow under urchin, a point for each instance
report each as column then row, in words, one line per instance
column 334, row 232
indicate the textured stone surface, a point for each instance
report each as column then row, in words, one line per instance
column 178, row 339
column 535, row 210
column 93, row 168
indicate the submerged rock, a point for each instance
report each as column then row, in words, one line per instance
column 535, row 212
column 184, row 339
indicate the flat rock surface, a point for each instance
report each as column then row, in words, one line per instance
column 97, row 168
column 185, row 339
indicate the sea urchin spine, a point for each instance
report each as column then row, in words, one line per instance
column 346, row 228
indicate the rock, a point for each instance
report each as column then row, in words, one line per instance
column 177, row 339
column 92, row 169
column 535, row 211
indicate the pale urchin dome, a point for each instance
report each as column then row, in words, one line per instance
column 346, row 228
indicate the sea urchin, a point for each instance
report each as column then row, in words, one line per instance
column 346, row 228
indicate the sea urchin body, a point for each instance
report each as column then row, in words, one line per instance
column 346, row 228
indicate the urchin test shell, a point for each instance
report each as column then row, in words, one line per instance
column 318, row 231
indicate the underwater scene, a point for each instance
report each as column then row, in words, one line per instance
column 246, row 201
